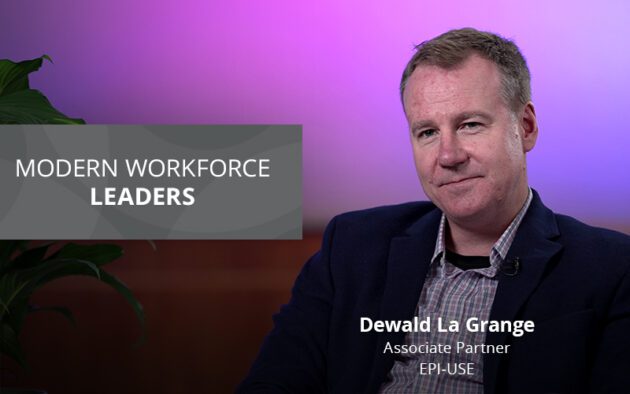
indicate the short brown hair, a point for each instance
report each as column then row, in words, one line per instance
column 450, row 49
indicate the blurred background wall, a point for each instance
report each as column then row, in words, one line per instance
column 208, row 305
column 332, row 66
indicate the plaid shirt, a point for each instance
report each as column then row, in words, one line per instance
column 452, row 294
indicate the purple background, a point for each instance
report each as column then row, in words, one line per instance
column 334, row 67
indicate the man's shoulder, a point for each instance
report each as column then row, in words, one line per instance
column 592, row 240
column 385, row 220
column 572, row 228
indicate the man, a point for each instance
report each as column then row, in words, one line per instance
column 553, row 293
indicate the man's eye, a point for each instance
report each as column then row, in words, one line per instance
column 426, row 133
column 471, row 125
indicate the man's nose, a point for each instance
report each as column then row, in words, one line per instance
column 452, row 154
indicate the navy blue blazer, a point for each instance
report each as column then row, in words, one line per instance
column 573, row 283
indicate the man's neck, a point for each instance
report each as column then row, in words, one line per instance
column 470, row 242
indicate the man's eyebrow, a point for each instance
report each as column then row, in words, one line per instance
column 419, row 124
column 476, row 114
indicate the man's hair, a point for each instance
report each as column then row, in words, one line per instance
column 452, row 48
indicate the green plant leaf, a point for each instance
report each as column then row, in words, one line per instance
column 53, row 269
column 10, row 288
column 97, row 254
column 64, row 267
column 122, row 289
column 67, row 313
column 29, row 258
column 153, row 245
column 21, row 105
column 13, row 303
column 65, row 121
column 17, row 286
column 10, row 345
column 18, row 310
column 14, row 76
column 31, row 107
column 7, row 249
column 31, row 279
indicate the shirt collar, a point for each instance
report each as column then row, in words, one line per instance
column 500, row 248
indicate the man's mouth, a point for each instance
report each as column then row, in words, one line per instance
column 459, row 181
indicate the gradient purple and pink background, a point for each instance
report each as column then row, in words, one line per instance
column 334, row 66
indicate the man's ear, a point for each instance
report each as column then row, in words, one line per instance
column 529, row 126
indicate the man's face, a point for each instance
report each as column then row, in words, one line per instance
column 468, row 146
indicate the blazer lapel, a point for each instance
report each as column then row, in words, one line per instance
column 407, row 266
column 534, row 248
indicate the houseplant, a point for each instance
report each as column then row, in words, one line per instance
column 25, row 266
column 24, row 269
column 19, row 104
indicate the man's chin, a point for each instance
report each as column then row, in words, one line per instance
column 464, row 213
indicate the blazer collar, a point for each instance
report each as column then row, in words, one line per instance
column 407, row 265
column 534, row 247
